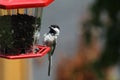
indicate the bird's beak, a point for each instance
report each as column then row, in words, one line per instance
column 50, row 27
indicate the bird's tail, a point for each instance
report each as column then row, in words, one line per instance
column 50, row 54
column 50, row 64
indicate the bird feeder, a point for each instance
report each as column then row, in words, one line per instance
column 20, row 21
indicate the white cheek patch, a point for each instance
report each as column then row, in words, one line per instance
column 57, row 31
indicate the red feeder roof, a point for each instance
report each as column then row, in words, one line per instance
column 15, row 4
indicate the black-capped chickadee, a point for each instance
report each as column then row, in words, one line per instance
column 50, row 39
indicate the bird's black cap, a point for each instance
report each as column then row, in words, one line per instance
column 55, row 26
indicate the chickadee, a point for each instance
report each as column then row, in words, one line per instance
column 50, row 39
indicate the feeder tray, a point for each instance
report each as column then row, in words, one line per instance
column 43, row 50
column 20, row 20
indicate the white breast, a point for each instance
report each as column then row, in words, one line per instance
column 48, row 39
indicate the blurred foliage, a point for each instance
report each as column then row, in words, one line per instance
column 90, row 63
column 87, row 33
column 111, row 53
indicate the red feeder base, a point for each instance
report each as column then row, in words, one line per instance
column 42, row 51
